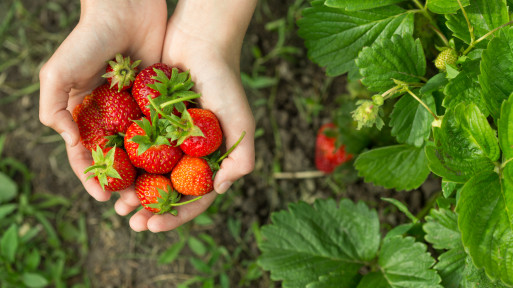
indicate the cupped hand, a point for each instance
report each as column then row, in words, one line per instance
column 134, row 28
column 214, row 67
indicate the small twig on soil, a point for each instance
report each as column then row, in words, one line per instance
column 299, row 175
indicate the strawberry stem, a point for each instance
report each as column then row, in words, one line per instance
column 178, row 100
column 186, row 202
column 232, row 148
column 159, row 111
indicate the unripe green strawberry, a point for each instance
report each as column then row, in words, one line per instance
column 447, row 56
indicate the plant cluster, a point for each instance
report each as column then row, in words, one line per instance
column 445, row 68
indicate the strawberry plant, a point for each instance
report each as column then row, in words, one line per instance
column 446, row 67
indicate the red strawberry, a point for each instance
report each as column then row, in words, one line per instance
column 112, row 169
column 105, row 112
column 199, row 146
column 327, row 155
column 121, row 72
column 169, row 85
column 157, row 195
column 88, row 119
column 195, row 176
column 117, row 109
column 192, row 176
column 149, row 150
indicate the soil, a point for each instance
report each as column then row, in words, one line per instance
column 120, row 257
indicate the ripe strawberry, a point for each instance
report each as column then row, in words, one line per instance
column 157, row 195
column 168, row 86
column 199, row 146
column 117, row 109
column 195, row 175
column 148, row 149
column 88, row 120
column 327, row 155
column 112, row 169
column 192, row 176
column 445, row 57
column 103, row 114
column 121, row 72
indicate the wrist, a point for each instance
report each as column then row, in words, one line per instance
column 222, row 23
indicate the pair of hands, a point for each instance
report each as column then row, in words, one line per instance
column 141, row 30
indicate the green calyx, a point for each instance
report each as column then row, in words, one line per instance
column 154, row 133
column 123, row 71
column 103, row 166
column 173, row 90
column 167, row 201
column 184, row 130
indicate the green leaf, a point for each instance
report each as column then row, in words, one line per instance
column 485, row 221
column 338, row 279
column 8, row 188
column 400, row 58
column 7, row 209
column 454, row 265
column 197, row 246
column 402, row 207
column 334, row 36
column 442, row 229
column 484, row 16
column 310, row 241
column 465, row 88
column 465, row 145
column 9, row 243
column 476, row 278
column 34, row 280
column 171, row 253
column 403, row 263
column 410, row 121
column 505, row 124
column 352, row 5
column 401, row 167
column 496, row 77
column 445, row 6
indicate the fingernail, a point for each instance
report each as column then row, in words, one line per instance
column 223, row 187
column 67, row 138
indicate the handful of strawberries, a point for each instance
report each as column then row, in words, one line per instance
column 142, row 129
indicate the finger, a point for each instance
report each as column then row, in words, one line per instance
column 186, row 213
column 139, row 221
column 80, row 158
column 240, row 162
column 127, row 202
column 122, row 208
column 129, row 196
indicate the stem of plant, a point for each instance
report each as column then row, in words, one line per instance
column 157, row 108
column 181, row 99
column 187, row 202
column 232, row 148
column 472, row 45
column 425, row 12
column 421, row 103
column 470, row 28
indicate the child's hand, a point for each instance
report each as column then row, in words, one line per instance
column 206, row 38
column 134, row 28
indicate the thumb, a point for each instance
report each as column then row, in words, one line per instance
column 53, row 104
column 239, row 162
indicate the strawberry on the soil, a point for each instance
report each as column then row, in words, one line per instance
column 327, row 155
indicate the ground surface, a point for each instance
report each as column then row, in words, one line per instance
column 119, row 257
